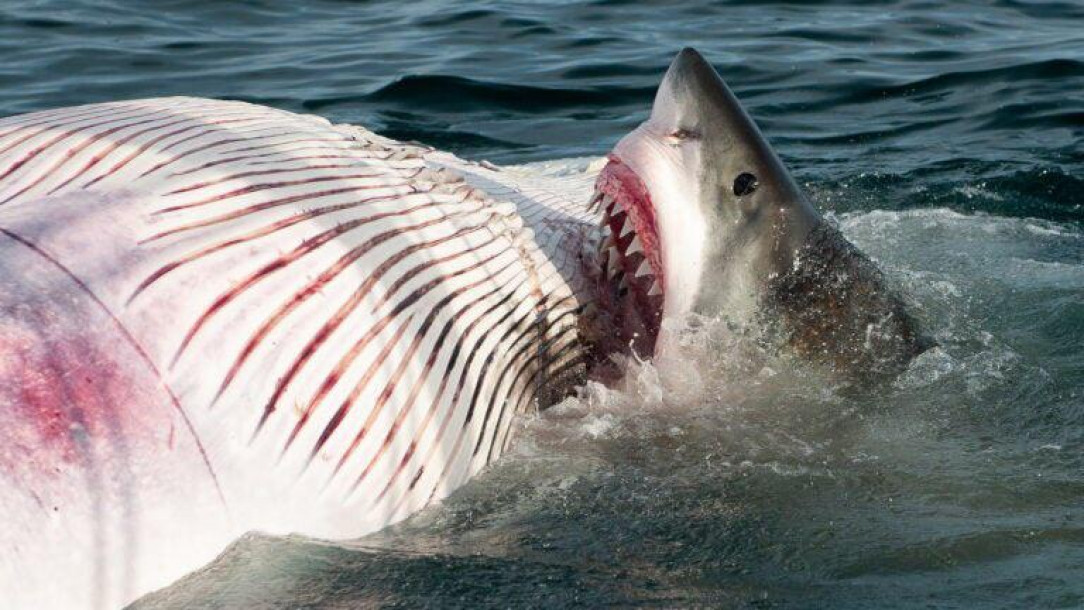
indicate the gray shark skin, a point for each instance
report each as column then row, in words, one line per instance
column 732, row 235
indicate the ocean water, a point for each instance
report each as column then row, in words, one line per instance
column 945, row 138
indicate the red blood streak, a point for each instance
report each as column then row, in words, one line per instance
column 75, row 385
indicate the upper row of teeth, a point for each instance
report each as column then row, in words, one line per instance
column 609, row 204
column 597, row 201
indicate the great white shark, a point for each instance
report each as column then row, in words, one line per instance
column 217, row 317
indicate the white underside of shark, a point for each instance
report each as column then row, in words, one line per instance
column 217, row 317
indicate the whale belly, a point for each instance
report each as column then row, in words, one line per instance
column 218, row 317
column 101, row 472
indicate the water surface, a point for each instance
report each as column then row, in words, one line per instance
column 944, row 138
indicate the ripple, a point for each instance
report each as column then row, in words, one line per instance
column 1053, row 69
column 46, row 24
column 456, row 93
column 456, row 18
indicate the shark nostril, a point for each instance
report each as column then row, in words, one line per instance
column 744, row 184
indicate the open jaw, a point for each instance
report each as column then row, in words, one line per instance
column 631, row 282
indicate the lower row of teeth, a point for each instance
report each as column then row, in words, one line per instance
column 609, row 244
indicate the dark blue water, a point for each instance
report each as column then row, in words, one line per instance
column 944, row 137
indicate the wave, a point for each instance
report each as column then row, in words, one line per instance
column 963, row 81
column 1049, row 193
column 456, row 93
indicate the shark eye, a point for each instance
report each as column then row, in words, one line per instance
column 683, row 134
column 745, row 183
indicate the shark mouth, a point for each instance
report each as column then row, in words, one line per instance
column 630, row 281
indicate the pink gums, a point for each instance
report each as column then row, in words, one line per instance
column 634, row 313
column 619, row 181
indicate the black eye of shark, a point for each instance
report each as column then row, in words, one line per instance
column 744, row 184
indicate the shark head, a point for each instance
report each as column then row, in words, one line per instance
column 700, row 216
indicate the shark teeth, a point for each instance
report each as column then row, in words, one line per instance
column 605, row 202
column 645, row 268
column 613, row 266
column 595, row 202
column 615, row 226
